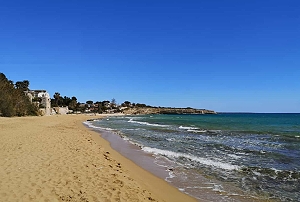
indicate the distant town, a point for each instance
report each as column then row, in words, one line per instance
column 66, row 105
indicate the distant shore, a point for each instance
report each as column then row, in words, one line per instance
column 56, row 158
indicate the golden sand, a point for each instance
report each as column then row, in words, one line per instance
column 56, row 158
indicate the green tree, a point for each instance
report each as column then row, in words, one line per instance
column 22, row 85
column 140, row 105
column 66, row 101
column 57, row 100
column 73, row 104
column 99, row 107
column 90, row 102
column 13, row 100
column 126, row 104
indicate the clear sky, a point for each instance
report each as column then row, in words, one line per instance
column 220, row 55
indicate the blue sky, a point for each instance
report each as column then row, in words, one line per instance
column 219, row 55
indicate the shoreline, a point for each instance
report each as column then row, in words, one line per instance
column 134, row 153
column 153, row 180
column 206, row 188
column 57, row 158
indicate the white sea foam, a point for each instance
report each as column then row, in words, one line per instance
column 214, row 131
column 256, row 173
column 171, row 175
column 218, row 188
column 234, row 156
column 90, row 125
column 276, row 170
column 203, row 187
column 197, row 131
column 188, row 128
column 125, row 138
column 132, row 129
column 208, row 162
column 146, row 123
column 128, row 117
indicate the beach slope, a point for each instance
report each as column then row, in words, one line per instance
column 56, row 158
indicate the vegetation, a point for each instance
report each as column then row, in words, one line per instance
column 59, row 101
column 13, row 100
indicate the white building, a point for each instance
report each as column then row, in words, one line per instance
column 44, row 101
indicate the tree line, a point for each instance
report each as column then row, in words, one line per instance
column 74, row 105
column 90, row 106
column 13, row 100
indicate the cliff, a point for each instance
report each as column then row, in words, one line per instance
column 157, row 110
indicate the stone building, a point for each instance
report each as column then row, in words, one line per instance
column 42, row 98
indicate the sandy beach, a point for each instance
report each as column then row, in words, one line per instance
column 56, row 158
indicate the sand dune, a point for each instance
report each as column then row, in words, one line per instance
column 56, row 158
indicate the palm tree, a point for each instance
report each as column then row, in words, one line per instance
column 56, row 97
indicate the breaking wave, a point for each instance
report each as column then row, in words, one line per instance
column 204, row 161
column 146, row 123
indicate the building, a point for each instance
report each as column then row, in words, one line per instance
column 42, row 98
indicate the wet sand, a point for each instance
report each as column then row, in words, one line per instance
column 56, row 158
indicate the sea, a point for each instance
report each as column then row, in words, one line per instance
column 219, row 157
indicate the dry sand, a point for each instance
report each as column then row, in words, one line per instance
column 56, row 158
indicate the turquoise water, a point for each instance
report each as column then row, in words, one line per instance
column 238, row 157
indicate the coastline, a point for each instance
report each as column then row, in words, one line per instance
column 57, row 158
column 146, row 136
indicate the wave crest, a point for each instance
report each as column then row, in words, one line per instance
column 204, row 161
column 146, row 123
